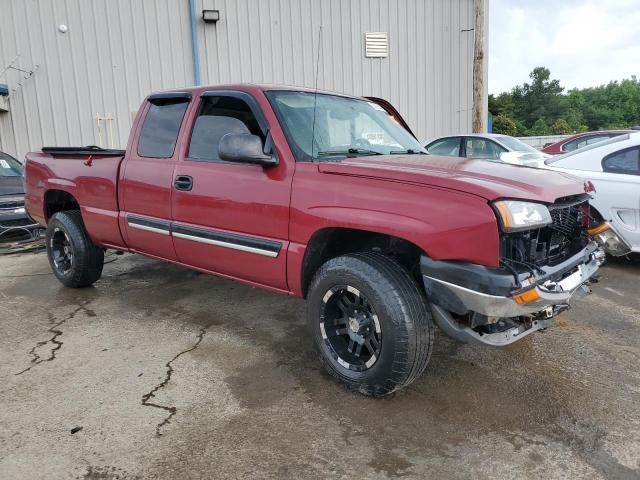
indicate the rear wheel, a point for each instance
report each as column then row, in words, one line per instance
column 73, row 257
column 370, row 323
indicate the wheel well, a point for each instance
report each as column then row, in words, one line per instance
column 329, row 243
column 57, row 201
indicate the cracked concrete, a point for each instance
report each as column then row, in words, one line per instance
column 54, row 329
column 148, row 396
column 236, row 391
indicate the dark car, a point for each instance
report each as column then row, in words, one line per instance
column 15, row 224
column 580, row 140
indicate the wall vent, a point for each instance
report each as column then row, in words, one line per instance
column 376, row 44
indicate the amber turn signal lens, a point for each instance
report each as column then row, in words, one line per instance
column 593, row 231
column 527, row 297
column 505, row 214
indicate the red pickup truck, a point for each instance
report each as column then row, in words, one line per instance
column 324, row 196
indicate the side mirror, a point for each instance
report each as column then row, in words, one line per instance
column 510, row 157
column 244, row 148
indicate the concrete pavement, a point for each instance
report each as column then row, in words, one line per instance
column 161, row 372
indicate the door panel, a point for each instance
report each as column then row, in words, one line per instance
column 240, row 214
column 146, row 208
column 146, row 183
column 235, row 219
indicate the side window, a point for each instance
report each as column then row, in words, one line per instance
column 482, row 148
column 625, row 161
column 161, row 127
column 574, row 145
column 217, row 117
column 449, row 147
column 596, row 139
column 582, row 142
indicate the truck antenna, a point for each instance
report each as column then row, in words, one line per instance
column 315, row 94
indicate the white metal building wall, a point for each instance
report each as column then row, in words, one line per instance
column 114, row 53
column 427, row 76
column 117, row 51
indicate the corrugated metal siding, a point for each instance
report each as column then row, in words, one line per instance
column 427, row 76
column 114, row 53
column 117, row 51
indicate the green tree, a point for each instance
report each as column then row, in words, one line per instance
column 501, row 105
column 503, row 124
column 542, row 98
column 540, row 127
column 561, row 127
column 615, row 105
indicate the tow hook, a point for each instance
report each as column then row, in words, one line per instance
column 553, row 310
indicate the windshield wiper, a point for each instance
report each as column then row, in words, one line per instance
column 348, row 152
column 409, row 151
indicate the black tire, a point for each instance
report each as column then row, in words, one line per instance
column 84, row 267
column 405, row 322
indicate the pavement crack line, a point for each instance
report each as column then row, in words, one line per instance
column 146, row 398
column 36, row 359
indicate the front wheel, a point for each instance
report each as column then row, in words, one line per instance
column 73, row 257
column 370, row 323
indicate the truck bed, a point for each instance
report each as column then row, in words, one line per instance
column 88, row 174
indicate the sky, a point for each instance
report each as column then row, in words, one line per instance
column 584, row 43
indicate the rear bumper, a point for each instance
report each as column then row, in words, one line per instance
column 462, row 288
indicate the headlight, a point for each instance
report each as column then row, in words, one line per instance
column 516, row 215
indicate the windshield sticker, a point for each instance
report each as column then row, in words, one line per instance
column 374, row 138
column 4, row 164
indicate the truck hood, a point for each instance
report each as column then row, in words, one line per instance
column 486, row 179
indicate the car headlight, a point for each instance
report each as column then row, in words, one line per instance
column 516, row 215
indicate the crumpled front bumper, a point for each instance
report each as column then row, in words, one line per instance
column 461, row 288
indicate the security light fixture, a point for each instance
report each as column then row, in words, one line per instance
column 210, row 16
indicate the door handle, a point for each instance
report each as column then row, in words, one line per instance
column 183, row 182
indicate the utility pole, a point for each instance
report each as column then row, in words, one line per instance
column 480, row 112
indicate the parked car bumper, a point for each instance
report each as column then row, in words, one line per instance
column 17, row 226
column 610, row 241
column 457, row 288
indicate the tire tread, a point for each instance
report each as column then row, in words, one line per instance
column 414, row 342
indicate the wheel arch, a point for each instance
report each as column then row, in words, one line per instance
column 330, row 242
column 56, row 200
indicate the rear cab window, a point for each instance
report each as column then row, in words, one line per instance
column 161, row 126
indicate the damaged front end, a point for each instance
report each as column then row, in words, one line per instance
column 541, row 269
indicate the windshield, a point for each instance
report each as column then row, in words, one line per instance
column 344, row 126
column 586, row 148
column 516, row 145
column 9, row 166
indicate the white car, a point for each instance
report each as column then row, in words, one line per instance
column 613, row 167
column 487, row 146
